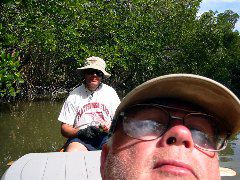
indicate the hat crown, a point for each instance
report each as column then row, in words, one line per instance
column 95, row 61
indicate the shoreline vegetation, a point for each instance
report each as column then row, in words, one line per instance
column 42, row 44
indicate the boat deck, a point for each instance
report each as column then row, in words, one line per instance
column 56, row 165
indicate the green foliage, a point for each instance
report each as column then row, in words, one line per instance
column 10, row 77
column 138, row 39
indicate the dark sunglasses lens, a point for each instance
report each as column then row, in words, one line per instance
column 99, row 74
column 93, row 71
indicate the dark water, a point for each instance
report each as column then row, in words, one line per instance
column 33, row 127
column 28, row 127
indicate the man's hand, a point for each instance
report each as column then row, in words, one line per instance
column 68, row 131
column 103, row 128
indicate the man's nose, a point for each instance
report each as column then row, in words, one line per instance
column 178, row 135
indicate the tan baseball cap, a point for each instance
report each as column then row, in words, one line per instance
column 95, row 63
column 207, row 93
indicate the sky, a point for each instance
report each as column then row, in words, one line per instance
column 221, row 6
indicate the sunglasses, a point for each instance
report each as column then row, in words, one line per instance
column 151, row 121
column 94, row 71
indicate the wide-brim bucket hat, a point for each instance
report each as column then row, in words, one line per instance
column 212, row 96
column 95, row 63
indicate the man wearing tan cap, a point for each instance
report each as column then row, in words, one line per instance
column 171, row 127
column 87, row 113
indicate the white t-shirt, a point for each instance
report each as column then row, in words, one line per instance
column 83, row 107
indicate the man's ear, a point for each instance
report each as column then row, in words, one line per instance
column 104, row 154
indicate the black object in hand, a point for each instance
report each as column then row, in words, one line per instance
column 89, row 133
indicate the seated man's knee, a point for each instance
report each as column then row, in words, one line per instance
column 76, row 147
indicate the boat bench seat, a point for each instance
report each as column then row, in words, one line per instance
column 56, row 166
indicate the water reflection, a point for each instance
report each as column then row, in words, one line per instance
column 230, row 157
column 29, row 127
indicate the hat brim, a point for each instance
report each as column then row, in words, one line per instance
column 105, row 73
column 207, row 93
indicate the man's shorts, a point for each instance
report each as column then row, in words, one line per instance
column 90, row 144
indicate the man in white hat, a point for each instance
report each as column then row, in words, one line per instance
column 171, row 127
column 87, row 112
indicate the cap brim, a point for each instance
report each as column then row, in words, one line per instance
column 207, row 93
